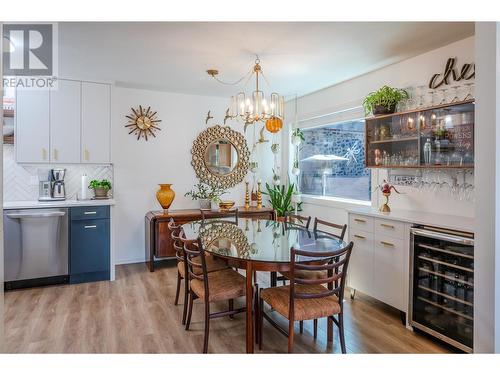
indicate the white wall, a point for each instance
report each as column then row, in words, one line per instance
column 487, row 175
column 409, row 73
column 139, row 166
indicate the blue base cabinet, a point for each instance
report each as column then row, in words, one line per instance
column 89, row 258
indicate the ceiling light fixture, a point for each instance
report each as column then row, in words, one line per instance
column 254, row 107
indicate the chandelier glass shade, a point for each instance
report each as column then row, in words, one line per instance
column 256, row 106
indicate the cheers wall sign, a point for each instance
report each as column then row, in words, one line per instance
column 451, row 72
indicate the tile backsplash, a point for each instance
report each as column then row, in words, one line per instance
column 20, row 181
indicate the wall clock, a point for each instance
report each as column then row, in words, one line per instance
column 143, row 122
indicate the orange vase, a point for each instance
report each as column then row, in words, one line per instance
column 165, row 196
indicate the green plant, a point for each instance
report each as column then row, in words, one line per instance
column 280, row 198
column 297, row 132
column 204, row 191
column 386, row 96
column 100, row 184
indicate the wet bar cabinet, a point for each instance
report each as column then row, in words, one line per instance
column 435, row 137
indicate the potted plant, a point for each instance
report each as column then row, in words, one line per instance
column 280, row 198
column 384, row 100
column 206, row 195
column 295, row 167
column 297, row 137
column 101, row 188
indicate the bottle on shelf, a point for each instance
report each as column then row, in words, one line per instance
column 437, row 146
column 427, row 151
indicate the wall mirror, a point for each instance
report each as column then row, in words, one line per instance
column 220, row 156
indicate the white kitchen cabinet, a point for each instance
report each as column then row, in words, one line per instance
column 65, row 122
column 32, row 133
column 361, row 261
column 379, row 260
column 96, row 123
column 388, row 280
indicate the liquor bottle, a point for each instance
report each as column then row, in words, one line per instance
column 437, row 146
column 427, row 151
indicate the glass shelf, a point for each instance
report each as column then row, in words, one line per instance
column 434, row 137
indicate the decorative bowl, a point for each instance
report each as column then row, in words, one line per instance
column 226, row 205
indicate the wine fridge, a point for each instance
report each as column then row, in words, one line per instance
column 442, row 285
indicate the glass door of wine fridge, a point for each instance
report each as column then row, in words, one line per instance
column 442, row 285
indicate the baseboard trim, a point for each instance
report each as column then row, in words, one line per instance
column 130, row 261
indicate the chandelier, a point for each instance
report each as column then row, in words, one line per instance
column 254, row 107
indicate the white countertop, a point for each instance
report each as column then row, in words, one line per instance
column 57, row 204
column 461, row 223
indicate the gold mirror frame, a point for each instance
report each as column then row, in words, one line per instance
column 205, row 139
column 219, row 230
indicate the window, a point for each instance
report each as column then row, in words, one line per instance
column 332, row 161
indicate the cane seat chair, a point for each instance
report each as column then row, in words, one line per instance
column 220, row 285
column 306, row 299
column 303, row 221
column 212, row 265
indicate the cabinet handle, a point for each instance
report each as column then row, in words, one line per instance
column 90, row 212
column 360, row 220
column 86, row 155
column 387, row 226
column 358, row 236
column 90, row 226
column 56, row 154
column 44, row 154
column 387, row 243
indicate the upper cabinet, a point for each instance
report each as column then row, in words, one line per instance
column 65, row 120
column 96, row 101
column 32, row 131
column 68, row 124
column 435, row 137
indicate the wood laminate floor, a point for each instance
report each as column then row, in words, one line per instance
column 136, row 314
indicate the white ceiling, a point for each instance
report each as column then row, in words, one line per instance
column 297, row 58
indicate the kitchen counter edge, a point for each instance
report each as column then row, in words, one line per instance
column 18, row 205
column 460, row 223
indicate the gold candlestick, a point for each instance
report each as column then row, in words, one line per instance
column 259, row 196
column 247, row 196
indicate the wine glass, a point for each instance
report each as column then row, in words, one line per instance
column 431, row 98
column 470, row 91
column 455, row 90
column 421, row 93
column 443, row 95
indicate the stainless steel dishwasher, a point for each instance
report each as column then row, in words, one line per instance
column 36, row 247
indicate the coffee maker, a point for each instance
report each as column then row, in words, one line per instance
column 53, row 189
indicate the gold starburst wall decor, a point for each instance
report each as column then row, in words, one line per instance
column 143, row 122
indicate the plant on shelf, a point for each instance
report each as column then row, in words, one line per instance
column 280, row 198
column 100, row 187
column 384, row 100
column 297, row 136
column 205, row 195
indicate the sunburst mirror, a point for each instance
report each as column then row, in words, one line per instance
column 143, row 122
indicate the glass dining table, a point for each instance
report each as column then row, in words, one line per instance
column 257, row 245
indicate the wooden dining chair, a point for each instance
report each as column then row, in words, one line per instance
column 340, row 233
column 177, row 234
column 307, row 299
column 303, row 221
column 340, row 229
column 298, row 220
column 222, row 285
column 222, row 214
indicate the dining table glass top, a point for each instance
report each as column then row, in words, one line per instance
column 258, row 240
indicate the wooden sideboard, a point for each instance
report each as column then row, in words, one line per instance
column 158, row 240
